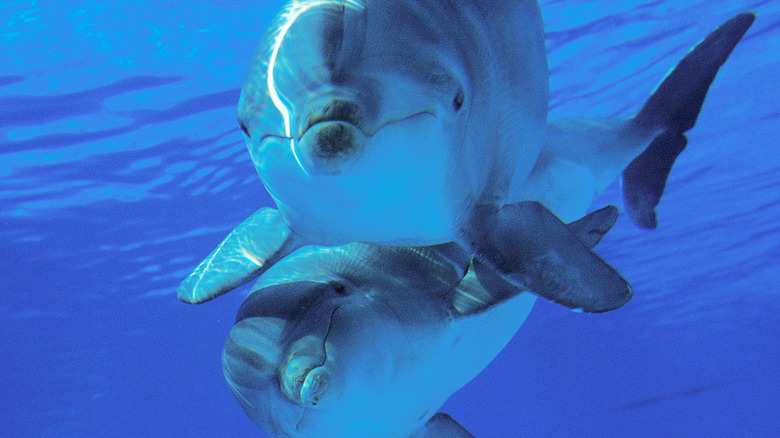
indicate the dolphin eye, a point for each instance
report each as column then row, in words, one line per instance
column 244, row 128
column 457, row 102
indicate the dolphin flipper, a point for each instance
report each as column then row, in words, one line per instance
column 253, row 246
column 533, row 249
column 674, row 108
column 484, row 287
column 441, row 425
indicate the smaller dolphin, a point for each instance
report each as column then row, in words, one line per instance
column 418, row 122
column 369, row 341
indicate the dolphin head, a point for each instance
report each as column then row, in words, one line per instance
column 328, row 365
column 381, row 121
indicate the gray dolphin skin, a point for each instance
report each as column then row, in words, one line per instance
column 370, row 341
column 424, row 200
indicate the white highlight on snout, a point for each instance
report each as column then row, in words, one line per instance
column 295, row 10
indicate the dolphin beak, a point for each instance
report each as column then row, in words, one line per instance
column 330, row 148
column 315, row 386
column 325, row 34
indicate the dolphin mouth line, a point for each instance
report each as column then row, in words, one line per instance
column 368, row 134
column 357, row 126
column 360, row 128
column 328, row 121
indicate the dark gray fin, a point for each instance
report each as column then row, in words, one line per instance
column 595, row 225
column 487, row 288
column 441, row 425
column 644, row 180
column 251, row 248
column 533, row 249
column 674, row 108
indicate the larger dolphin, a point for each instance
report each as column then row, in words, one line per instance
column 418, row 122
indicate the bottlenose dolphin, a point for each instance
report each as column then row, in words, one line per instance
column 364, row 341
column 417, row 122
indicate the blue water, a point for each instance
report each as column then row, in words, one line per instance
column 121, row 166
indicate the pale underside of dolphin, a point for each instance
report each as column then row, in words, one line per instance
column 369, row 341
column 313, row 155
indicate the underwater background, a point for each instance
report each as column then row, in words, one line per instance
column 122, row 166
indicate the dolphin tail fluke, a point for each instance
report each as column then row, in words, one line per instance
column 441, row 425
column 674, row 108
column 677, row 101
column 251, row 248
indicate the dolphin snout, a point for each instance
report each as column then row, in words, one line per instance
column 334, row 110
column 330, row 147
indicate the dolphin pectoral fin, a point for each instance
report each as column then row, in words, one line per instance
column 483, row 287
column 535, row 250
column 441, row 425
column 253, row 246
column 674, row 108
